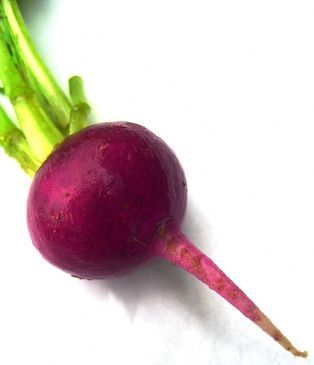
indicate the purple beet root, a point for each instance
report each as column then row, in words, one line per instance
column 113, row 196
column 98, row 203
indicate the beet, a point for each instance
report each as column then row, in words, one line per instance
column 105, row 198
column 97, row 204
column 113, row 196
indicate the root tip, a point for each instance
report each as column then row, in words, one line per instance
column 303, row 354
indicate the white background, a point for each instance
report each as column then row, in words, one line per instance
column 230, row 86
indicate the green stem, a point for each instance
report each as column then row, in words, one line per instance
column 44, row 113
column 81, row 108
column 40, row 132
column 34, row 64
column 15, row 144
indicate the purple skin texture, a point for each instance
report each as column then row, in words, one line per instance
column 95, row 206
column 113, row 196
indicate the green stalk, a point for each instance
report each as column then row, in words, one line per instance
column 81, row 108
column 40, row 132
column 15, row 144
column 44, row 114
column 34, row 64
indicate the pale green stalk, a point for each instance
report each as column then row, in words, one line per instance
column 34, row 64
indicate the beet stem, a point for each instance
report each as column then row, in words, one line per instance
column 177, row 249
column 41, row 134
column 15, row 144
column 81, row 108
column 34, row 65
column 44, row 113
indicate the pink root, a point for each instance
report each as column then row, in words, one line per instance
column 176, row 248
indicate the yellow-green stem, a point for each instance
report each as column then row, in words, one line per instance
column 81, row 108
column 15, row 144
column 45, row 115
column 40, row 132
column 34, row 64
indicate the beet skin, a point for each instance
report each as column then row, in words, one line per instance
column 97, row 203
column 113, row 196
